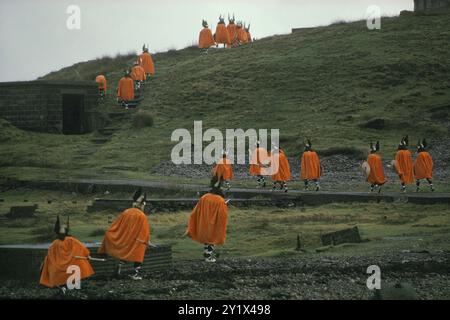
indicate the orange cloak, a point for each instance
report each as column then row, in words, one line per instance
column 231, row 28
column 222, row 35
column 282, row 169
column 205, row 39
column 259, row 157
column 376, row 175
column 223, row 169
column 242, row 35
column 101, row 81
column 208, row 221
column 127, row 238
column 404, row 166
column 423, row 167
column 146, row 61
column 125, row 90
column 61, row 254
column 310, row 166
column 138, row 73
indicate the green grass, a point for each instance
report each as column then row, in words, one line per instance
column 253, row 232
column 324, row 83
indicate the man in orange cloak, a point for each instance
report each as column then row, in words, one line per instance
column 146, row 62
column 260, row 159
column 101, row 81
column 249, row 36
column 129, row 235
column 221, row 36
column 208, row 221
column 376, row 176
column 310, row 166
column 138, row 75
column 64, row 252
column 125, row 89
column 423, row 166
column 282, row 170
column 205, row 39
column 231, row 28
column 404, row 164
column 241, row 34
column 224, row 170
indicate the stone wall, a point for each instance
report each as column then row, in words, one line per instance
column 37, row 105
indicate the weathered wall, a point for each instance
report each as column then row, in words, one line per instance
column 420, row 5
column 37, row 105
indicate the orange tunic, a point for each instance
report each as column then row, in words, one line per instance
column 208, row 221
column 223, row 169
column 259, row 158
column 423, row 167
column 404, row 166
column 125, row 90
column 61, row 254
column 146, row 61
column 242, row 35
column 282, row 170
column 205, row 39
column 310, row 167
column 222, row 35
column 376, row 175
column 231, row 28
column 101, row 80
column 138, row 73
column 127, row 238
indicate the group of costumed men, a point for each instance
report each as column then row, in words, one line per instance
column 274, row 164
column 143, row 68
column 232, row 35
column 128, row 237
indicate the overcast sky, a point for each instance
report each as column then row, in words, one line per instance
column 35, row 39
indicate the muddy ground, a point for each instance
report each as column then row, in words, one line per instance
column 423, row 275
column 341, row 172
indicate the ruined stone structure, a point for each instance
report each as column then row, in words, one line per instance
column 421, row 5
column 50, row 106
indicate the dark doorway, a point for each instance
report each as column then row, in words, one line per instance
column 73, row 110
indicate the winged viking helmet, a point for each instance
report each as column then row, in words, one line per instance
column 204, row 24
column 421, row 146
column 61, row 231
column 308, row 145
column 216, row 186
column 139, row 199
column 144, row 48
column 374, row 148
column 403, row 143
column 221, row 20
column 231, row 21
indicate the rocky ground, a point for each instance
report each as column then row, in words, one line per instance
column 421, row 275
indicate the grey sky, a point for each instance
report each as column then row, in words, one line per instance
column 35, row 40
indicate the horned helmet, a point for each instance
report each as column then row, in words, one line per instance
column 374, row 147
column 247, row 28
column 231, row 20
column 204, row 24
column 221, row 20
column 144, row 48
column 127, row 73
column 139, row 199
column 216, row 186
column 61, row 231
column 239, row 24
column 403, row 143
column 308, row 145
column 422, row 145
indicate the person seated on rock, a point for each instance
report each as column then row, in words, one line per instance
column 373, row 168
column 224, row 170
column 125, row 89
column 259, row 160
column 310, row 169
column 64, row 252
column 423, row 166
column 403, row 164
column 208, row 221
column 145, row 61
column 281, row 169
column 138, row 75
column 129, row 236
column 205, row 39
column 101, row 81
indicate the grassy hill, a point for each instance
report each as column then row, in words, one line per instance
column 342, row 85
